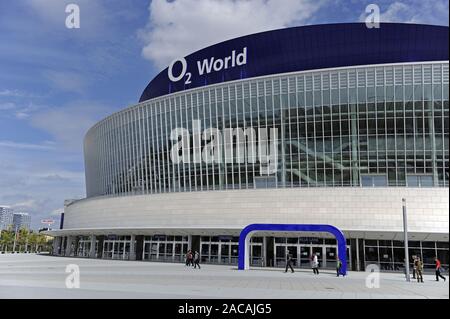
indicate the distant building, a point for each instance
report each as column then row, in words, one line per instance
column 21, row 220
column 6, row 217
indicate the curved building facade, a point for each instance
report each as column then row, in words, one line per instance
column 329, row 124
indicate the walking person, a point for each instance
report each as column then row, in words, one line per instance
column 197, row 260
column 187, row 258
column 419, row 269
column 338, row 266
column 289, row 263
column 414, row 266
column 315, row 264
column 438, row 269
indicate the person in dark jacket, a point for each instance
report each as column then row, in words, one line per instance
column 289, row 262
column 189, row 258
column 438, row 269
column 197, row 260
column 338, row 266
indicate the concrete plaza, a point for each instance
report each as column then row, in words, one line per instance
column 39, row 276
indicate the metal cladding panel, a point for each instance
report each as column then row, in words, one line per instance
column 310, row 48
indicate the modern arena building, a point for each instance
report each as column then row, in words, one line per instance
column 327, row 124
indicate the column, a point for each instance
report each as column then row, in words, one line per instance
column 189, row 242
column 56, row 243
column 354, row 137
column 358, row 265
column 68, row 246
column 132, row 248
column 92, row 250
column 263, row 252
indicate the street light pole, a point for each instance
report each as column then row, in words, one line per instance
column 15, row 238
column 405, row 238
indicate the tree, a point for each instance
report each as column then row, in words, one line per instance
column 42, row 242
column 33, row 241
column 6, row 239
column 23, row 238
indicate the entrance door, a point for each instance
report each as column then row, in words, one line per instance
column 169, row 251
column 119, row 250
column 280, row 255
column 225, row 253
column 214, row 256
column 234, row 253
column 292, row 250
column 256, row 255
column 305, row 257
column 204, row 251
column 162, row 251
column 330, row 257
column 318, row 250
column 179, row 256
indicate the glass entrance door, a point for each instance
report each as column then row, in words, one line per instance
column 318, row 251
column 280, row 255
column 256, row 255
column 292, row 250
column 305, row 256
column 330, row 257
column 214, row 253
column 225, row 253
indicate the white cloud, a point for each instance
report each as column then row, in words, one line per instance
column 20, row 110
column 7, row 92
column 179, row 27
column 24, row 205
column 69, row 123
column 38, row 182
column 66, row 81
column 27, row 146
column 7, row 106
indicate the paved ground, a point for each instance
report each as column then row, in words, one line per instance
column 37, row 276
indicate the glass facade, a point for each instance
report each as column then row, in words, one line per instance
column 360, row 126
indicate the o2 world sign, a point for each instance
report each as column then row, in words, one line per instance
column 207, row 66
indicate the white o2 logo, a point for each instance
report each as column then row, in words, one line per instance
column 183, row 72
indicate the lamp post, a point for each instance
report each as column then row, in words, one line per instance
column 405, row 238
column 15, row 238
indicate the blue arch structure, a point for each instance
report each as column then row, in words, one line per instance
column 244, row 239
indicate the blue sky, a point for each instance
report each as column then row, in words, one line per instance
column 56, row 82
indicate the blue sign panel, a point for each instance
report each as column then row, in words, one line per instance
column 301, row 49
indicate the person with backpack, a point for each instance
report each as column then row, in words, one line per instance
column 289, row 263
column 196, row 260
column 438, row 269
column 338, row 266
